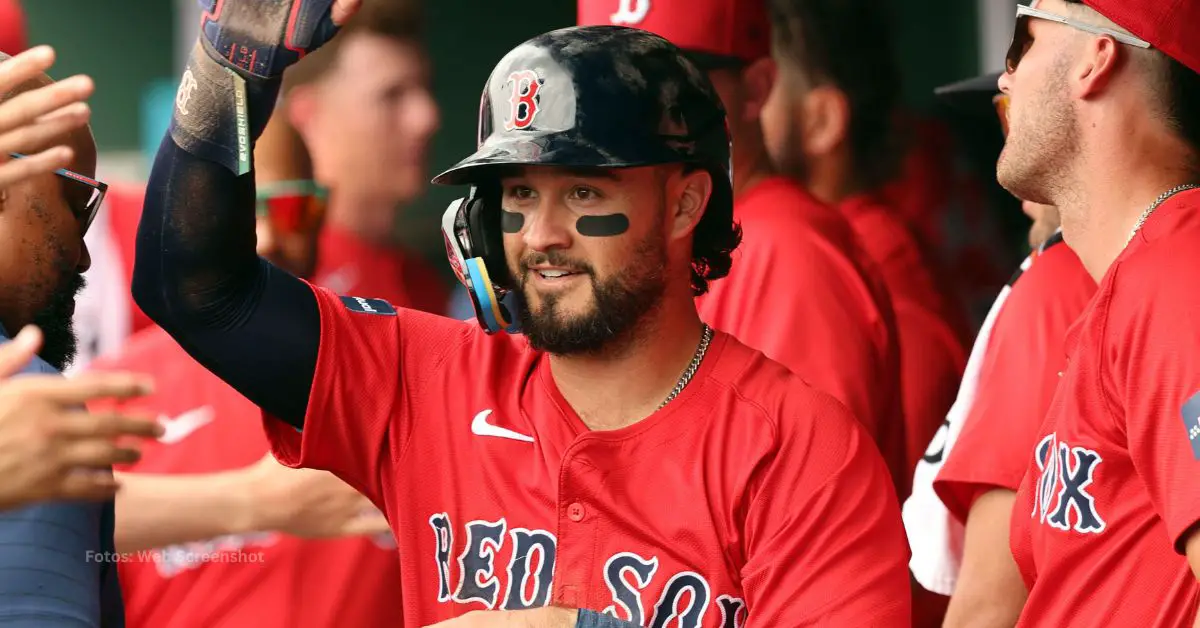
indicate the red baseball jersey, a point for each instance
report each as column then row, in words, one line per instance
column 347, row 264
column 1017, row 380
column 750, row 498
column 1102, row 514
column 930, row 324
column 256, row 580
column 803, row 292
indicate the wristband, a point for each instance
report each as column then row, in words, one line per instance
column 219, row 113
column 233, row 75
column 592, row 619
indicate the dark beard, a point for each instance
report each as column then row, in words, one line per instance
column 58, row 330
column 620, row 303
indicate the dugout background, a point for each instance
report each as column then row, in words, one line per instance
column 134, row 49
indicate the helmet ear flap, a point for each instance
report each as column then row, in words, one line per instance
column 471, row 237
column 487, row 239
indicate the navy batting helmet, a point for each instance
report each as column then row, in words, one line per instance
column 587, row 97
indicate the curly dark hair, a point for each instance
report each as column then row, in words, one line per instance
column 716, row 235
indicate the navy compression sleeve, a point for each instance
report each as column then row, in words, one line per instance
column 197, row 275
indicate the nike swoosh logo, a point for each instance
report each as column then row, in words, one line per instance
column 180, row 427
column 481, row 427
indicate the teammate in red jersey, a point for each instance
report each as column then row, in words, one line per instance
column 1104, row 125
column 963, row 492
column 374, row 161
column 964, row 487
column 618, row 464
column 231, row 530
column 801, row 290
column 829, row 122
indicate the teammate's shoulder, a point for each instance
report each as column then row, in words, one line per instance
column 769, row 193
column 461, row 344
column 55, row 524
column 778, row 210
column 888, row 240
column 1162, row 261
column 874, row 220
column 1050, row 271
column 1170, row 238
column 759, row 387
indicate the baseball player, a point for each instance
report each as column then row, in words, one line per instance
column 54, row 574
column 964, row 487
column 998, row 416
column 618, row 462
column 1103, row 124
column 48, row 449
column 829, row 123
column 232, row 530
column 801, row 290
column 374, row 161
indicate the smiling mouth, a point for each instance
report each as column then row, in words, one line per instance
column 556, row 274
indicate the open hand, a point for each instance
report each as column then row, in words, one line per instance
column 50, row 447
column 33, row 121
column 311, row 504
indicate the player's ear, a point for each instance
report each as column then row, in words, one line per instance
column 1095, row 67
column 826, row 120
column 300, row 106
column 757, row 80
column 692, row 189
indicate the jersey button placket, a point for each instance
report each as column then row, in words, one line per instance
column 574, row 566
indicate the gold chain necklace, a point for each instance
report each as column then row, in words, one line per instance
column 1153, row 206
column 691, row 369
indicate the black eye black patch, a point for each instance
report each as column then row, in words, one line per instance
column 602, row 226
column 511, row 222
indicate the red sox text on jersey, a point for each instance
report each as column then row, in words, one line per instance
column 751, row 492
column 529, row 575
column 1061, row 498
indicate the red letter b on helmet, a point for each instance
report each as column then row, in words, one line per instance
column 524, row 105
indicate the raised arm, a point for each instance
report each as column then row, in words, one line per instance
column 196, row 273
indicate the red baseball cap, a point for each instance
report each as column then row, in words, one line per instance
column 12, row 28
column 1169, row 25
column 722, row 28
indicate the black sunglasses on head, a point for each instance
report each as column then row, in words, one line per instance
column 85, row 195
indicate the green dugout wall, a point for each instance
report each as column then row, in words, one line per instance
column 133, row 49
